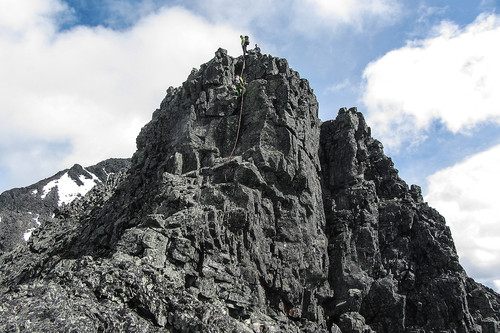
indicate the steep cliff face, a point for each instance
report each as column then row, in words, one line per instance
column 305, row 227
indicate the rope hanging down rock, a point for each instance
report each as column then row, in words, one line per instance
column 239, row 121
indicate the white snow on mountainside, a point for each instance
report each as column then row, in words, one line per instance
column 28, row 232
column 67, row 189
column 24, row 209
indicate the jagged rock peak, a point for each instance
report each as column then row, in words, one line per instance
column 197, row 123
column 240, row 239
column 304, row 227
column 393, row 265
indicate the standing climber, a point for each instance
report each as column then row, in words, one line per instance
column 245, row 41
column 240, row 85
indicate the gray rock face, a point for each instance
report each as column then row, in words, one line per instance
column 306, row 227
column 393, row 265
column 22, row 210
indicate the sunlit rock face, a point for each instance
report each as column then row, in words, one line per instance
column 246, row 215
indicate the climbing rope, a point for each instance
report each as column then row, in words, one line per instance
column 239, row 121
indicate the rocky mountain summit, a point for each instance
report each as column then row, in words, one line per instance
column 307, row 227
column 22, row 210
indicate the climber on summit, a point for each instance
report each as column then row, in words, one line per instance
column 240, row 85
column 245, row 41
column 257, row 49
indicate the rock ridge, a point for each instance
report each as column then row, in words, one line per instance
column 22, row 210
column 307, row 228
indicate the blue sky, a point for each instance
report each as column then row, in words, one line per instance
column 80, row 78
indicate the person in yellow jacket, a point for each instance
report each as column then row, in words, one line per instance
column 240, row 84
column 245, row 41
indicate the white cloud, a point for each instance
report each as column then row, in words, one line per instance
column 327, row 18
column 310, row 18
column 19, row 15
column 92, row 87
column 497, row 284
column 351, row 11
column 453, row 77
column 450, row 79
column 467, row 196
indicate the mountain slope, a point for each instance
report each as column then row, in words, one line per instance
column 24, row 209
column 306, row 228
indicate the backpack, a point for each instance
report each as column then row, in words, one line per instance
column 247, row 40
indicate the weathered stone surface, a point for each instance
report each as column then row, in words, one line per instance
column 306, row 228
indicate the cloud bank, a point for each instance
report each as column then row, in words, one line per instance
column 350, row 11
column 451, row 77
column 88, row 91
column 79, row 94
column 308, row 18
column 449, row 80
column 467, row 195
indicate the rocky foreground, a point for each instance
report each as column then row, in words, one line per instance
column 307, row 228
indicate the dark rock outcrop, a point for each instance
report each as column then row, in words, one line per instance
column 22, row 210
column 307, row 228
column 393, row 265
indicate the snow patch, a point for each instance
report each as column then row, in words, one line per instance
column 108, row 174
column 36, row 219
column 68, row 190
column 28, row 233
column 50, row 185
column 34, row 192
